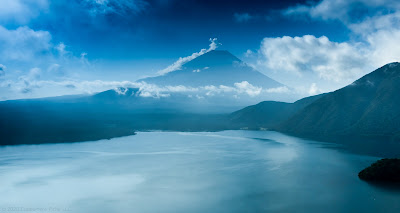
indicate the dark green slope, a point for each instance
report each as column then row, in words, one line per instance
column 368, row 109
column 384, row 170
column 268, row 114
column 101, row 116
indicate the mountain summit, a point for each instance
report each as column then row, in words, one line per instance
column 217, row 67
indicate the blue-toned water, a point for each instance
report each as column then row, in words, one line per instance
column 230, row 171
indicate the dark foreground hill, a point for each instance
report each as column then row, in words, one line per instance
column 365, row 115
column 367, row 109
column 384, row 170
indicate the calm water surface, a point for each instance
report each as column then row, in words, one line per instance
column 230, row 171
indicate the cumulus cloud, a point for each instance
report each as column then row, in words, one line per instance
column 21, row 11
column 61, row 49
column 329, row 60
column 246, row 87
column 242, row 17
column 374, row 29
column 24, row 44
column 177, row 65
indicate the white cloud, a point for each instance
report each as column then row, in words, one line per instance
column 54, row 68
column 34, row 73
column 24, row 44
column 21, row 11
column 246, row 87
column 369, row 25
column 121, row 90
column 374, row 31
column 61, row 48
column 243, row 87
column 84, row 58
column 384, row 47
column 248, row 53
column 178, row 88
column 282, row 90
column 31, row 86
column 347, row 11
column 314, row 89
column 329, row 60
column 178, row 64
column 242, row 17
column 24, row 48
column 28, row 82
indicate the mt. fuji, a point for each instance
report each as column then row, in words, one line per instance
column 217, row 67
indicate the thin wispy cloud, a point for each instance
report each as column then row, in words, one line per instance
column 31, row 84
column 2, row 70
column 242, row 17
column 24, row 44
column 177, row 65
column 120, row 7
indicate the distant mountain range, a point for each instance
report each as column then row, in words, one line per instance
column 268, row 114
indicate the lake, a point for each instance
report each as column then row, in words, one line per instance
column 229, row 171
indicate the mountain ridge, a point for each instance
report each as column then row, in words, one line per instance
column 343, row 111
column 364, row 116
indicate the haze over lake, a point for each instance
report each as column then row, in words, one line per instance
column 229, row 171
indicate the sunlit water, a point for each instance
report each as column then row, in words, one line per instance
column 230, row 171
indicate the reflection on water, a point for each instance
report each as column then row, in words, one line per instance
column 389, row 187
column 230, row 171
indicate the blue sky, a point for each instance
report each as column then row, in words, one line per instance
column 61, row 47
